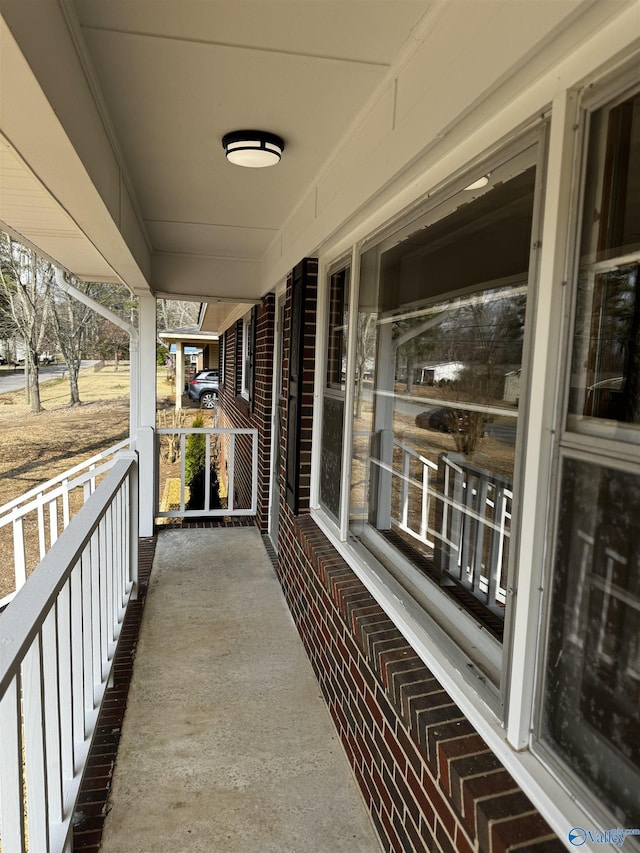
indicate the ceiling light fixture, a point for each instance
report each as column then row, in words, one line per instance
column 253, row 148
column 479, row 184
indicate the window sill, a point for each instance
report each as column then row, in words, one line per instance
column 242, row 404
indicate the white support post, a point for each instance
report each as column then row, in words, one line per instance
column 146, row 404
column 133, row 497
column 179, row 373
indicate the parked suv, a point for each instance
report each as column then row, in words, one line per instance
column 203, row 388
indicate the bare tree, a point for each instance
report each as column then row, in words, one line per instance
column 71, row 320
column 364, row 353
column 25, row 287
column 176, row 314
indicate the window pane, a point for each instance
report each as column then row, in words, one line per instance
column 605, row 379
column 592, row 685
column 606, row 354
column 611, row 223
column 440, row 339
column 338, row 321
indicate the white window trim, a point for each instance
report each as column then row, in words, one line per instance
column 545, row 784
column 594, row 442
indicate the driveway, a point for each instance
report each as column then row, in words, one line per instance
column 13, row 379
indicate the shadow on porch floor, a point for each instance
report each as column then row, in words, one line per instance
column 227, row 745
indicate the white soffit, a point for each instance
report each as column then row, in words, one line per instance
column 30, row 211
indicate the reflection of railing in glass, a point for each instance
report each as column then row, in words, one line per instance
column 464, row 520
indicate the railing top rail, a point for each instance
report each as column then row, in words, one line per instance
column 21, row 510
column 411, row 452
column 54, row 481
column 204, row 430
column 22, row 620
column 462, row 466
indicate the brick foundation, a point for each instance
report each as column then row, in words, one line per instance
column 428, row 779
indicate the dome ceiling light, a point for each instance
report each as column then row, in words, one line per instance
column 253, row 148
column 479, row 184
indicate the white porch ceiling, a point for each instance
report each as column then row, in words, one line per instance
column 169, row 79
column 112, row 114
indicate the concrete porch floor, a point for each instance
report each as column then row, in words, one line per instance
column 227, row 745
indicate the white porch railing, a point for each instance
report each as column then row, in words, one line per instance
column 462, row 513
column 31, row 523
column 230, row 454
column 59, row 637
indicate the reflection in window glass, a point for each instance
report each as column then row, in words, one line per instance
column 333, row 401
column 439, row 356
column 338, row 322
column 605, row 380
column 592, row 685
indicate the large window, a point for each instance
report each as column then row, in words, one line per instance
column 439, row 381
column 591, row 694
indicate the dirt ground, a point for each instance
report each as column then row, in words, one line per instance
column 36, row 447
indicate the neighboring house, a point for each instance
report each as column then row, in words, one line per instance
column 473, row 620
column 431, row 374
column 512, row 385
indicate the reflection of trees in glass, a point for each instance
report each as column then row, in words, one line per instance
column 487, row 335
column 609, row 345
column 365, row 351
column 481, row 340
column 416, row 341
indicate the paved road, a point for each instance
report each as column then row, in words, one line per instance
column 11, row 380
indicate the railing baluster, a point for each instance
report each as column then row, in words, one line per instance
column 42, row 545
column 87, row 651
column 183, row 440
column 96, row 643
column 110, row 594
column 65, row 504
column 53, row 521
column 65, row 681
column 11, row 779
column 254, row 478
column 104, row 622
column 480, row 528
column 406, row 462
column 231, row 471
column 77, row 680
column 19, row 552
column 424, row 504
column 52, row 715
column 35, row 757
column 118, row 504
